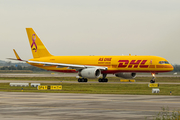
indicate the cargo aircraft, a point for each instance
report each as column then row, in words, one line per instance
column 93, row 66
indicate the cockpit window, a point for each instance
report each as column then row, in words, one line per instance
column 163, row 62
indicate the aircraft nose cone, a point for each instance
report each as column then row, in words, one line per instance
column 172, row 68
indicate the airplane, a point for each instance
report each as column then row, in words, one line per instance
column 93, row 66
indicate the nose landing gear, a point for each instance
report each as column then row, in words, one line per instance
column 153, row 78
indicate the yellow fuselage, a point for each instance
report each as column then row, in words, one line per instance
column 115, row 64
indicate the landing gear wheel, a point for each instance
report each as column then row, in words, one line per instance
column 103, row 80
column 85, row 79
column 82, row 80
column 106, row 80
column 152, row 81
column 79, row 79
column 100, row 80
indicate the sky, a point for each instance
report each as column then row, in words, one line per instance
column 92, row 27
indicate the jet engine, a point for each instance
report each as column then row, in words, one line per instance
column 126, row 75
column 90, row 73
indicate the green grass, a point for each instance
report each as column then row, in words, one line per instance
column 99, row 88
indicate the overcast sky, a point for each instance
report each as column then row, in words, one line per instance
column 92, row 27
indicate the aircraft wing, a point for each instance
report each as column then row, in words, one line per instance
column 59, row 65
column 70, row 66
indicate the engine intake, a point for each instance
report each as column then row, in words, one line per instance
column 90, row 73
column 126, row 75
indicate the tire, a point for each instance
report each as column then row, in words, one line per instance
column 151, row 81
column 106, row 80
column 79, row 80
column 100, row 80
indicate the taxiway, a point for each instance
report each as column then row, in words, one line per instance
column 62, row 106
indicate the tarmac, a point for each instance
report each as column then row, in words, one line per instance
column 67, row 106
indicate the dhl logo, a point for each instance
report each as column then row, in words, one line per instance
column 132, row 64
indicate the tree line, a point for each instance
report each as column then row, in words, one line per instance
column 19, row 67
column 176, row 68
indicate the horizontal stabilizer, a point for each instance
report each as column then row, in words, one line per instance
column 17, row 57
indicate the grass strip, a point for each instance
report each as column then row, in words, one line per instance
column 99, row 88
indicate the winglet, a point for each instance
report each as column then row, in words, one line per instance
column 17, row 56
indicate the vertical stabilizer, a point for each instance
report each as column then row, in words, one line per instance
column 37, row 47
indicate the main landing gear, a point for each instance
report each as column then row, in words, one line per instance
column 153, row 78
column 104, row 79
column 82, row 79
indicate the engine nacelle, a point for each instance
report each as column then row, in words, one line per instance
column 90, row 73
column 126, row 75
